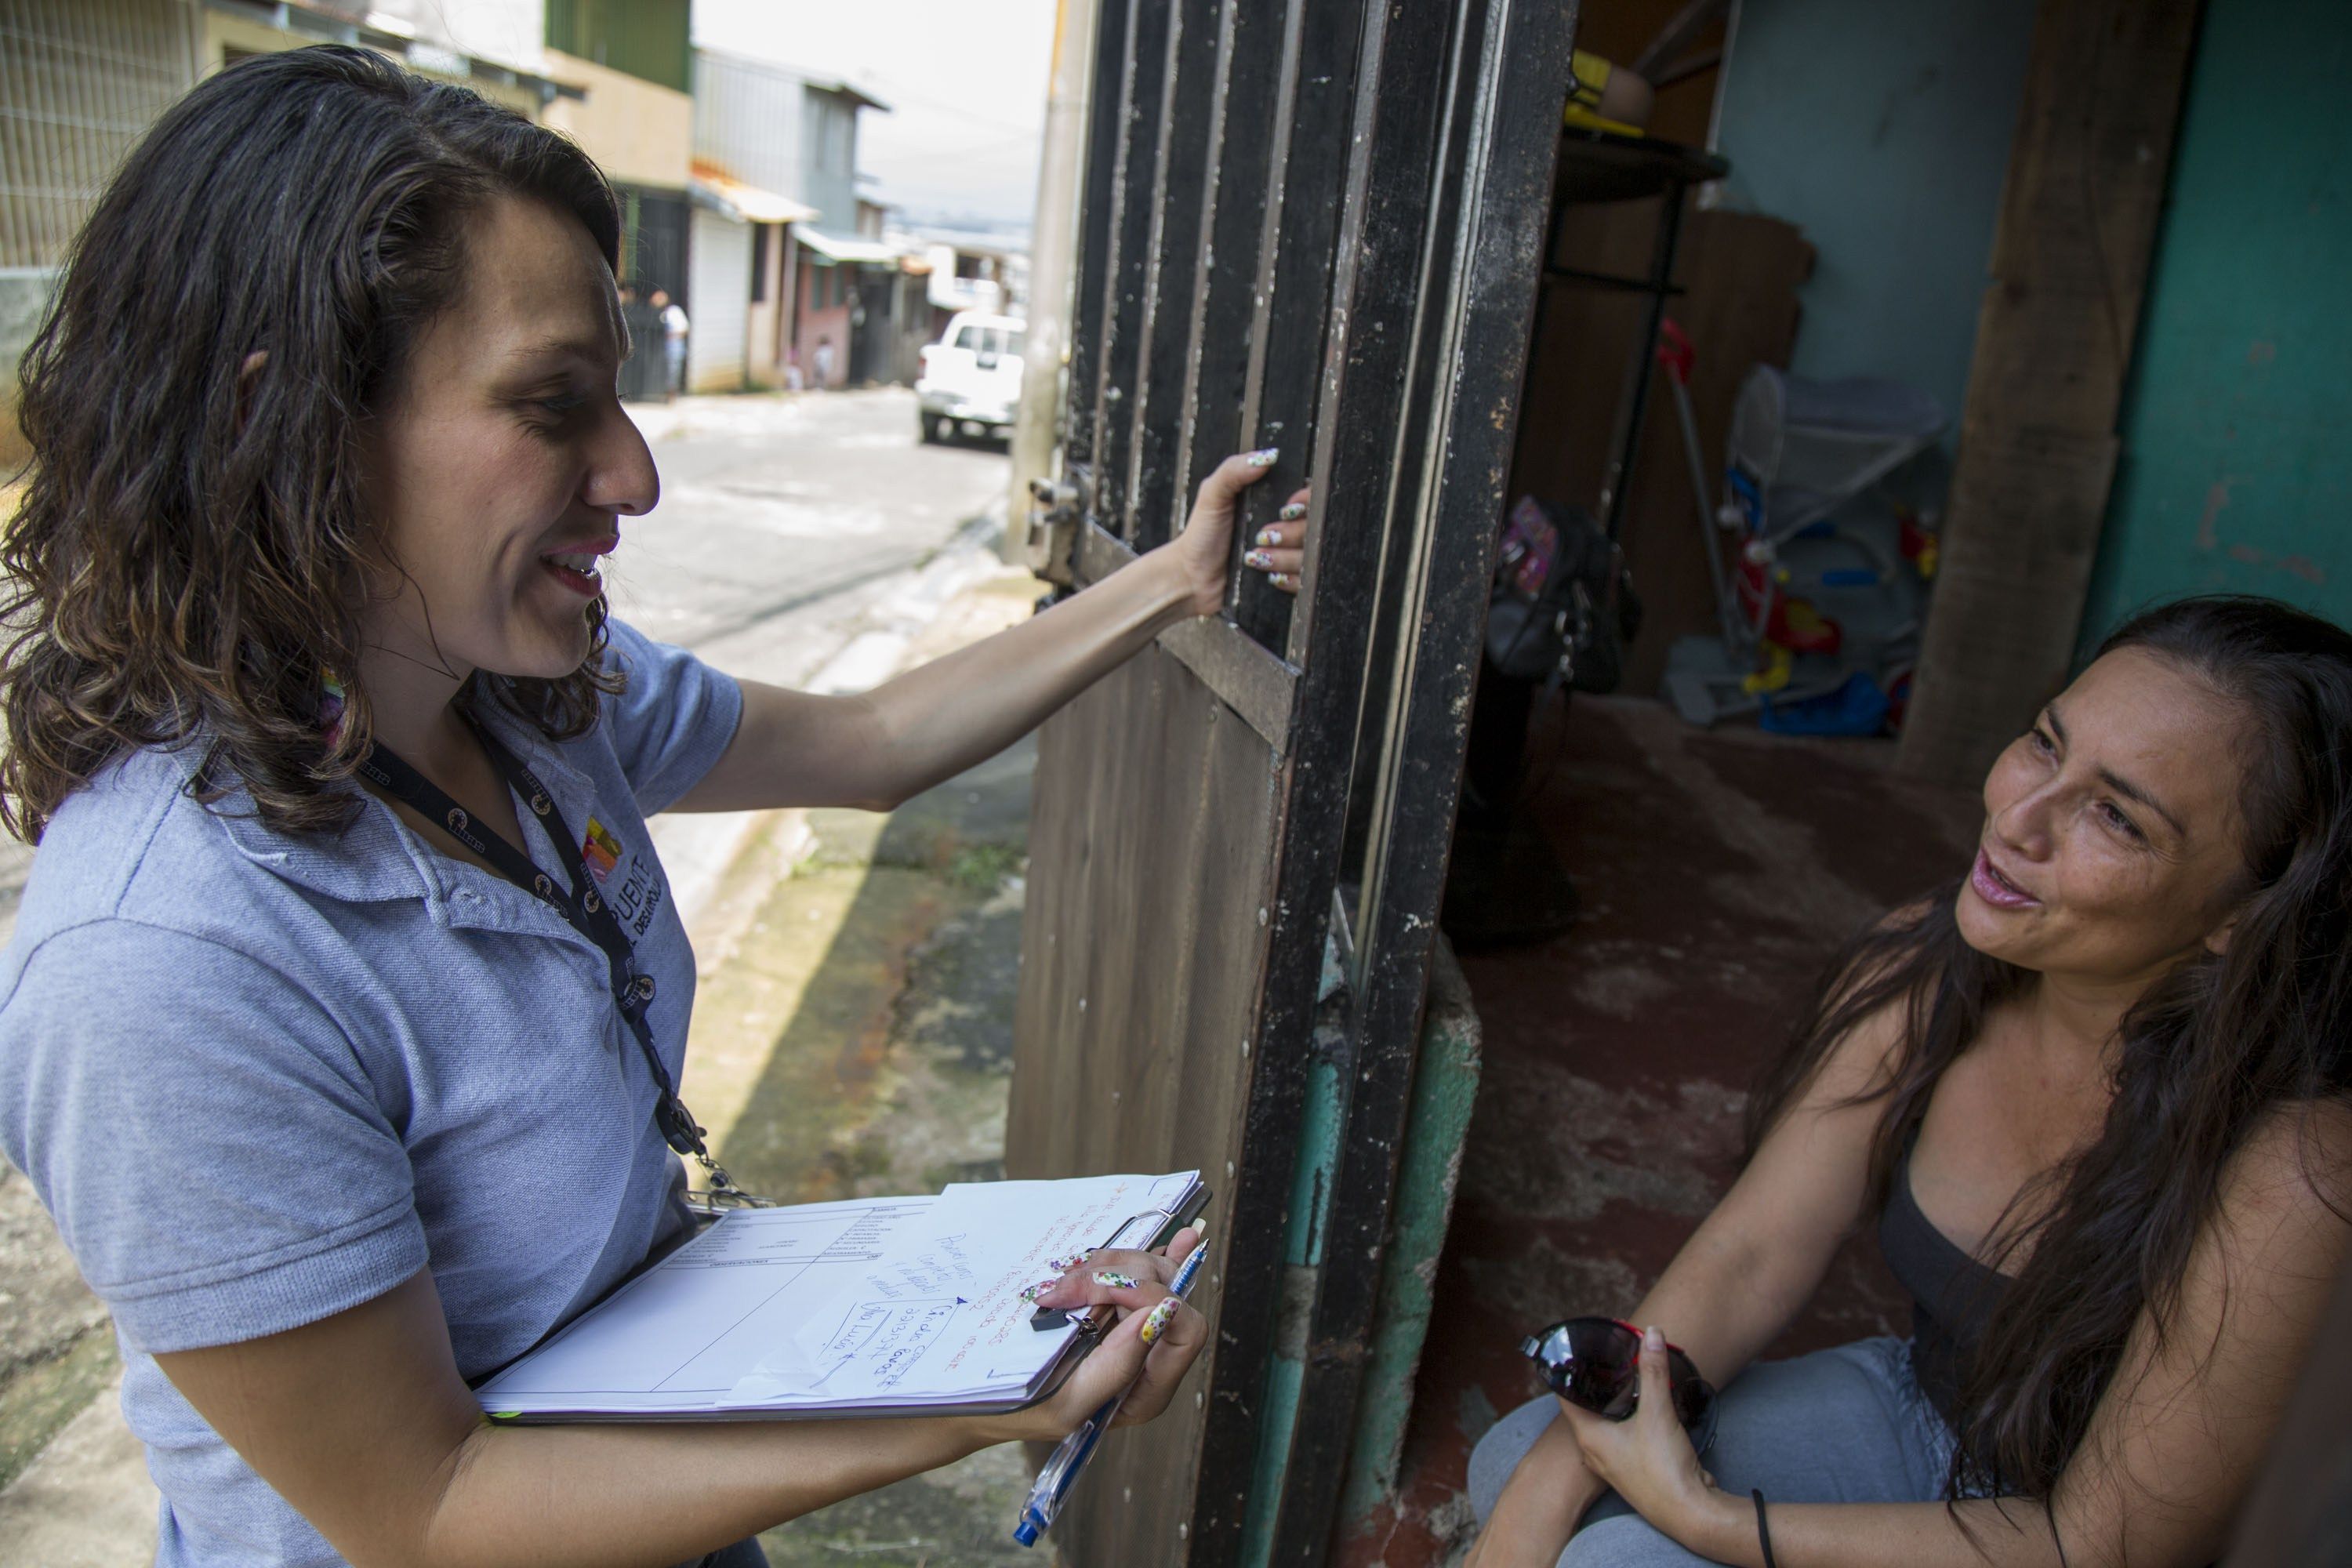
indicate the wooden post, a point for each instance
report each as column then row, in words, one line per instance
column 1053, row 258
column 2038, row 441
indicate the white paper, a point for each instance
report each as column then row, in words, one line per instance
column 683, row 1332
column 948, row 1320
column 879, row 1302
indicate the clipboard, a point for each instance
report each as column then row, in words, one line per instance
column 652, row 1350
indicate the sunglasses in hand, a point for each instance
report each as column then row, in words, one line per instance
column 1595, row 1363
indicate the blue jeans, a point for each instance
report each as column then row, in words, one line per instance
column 1848, row 1424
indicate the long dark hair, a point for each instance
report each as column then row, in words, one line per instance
column 192, row 554
column 2208, row 1051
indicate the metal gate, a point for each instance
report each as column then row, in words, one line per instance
column 1315, row 224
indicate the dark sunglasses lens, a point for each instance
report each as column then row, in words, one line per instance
column 1591, row 1363
column 1694, row 1406
column 1694, row 1399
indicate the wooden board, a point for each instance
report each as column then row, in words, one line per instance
column 2069, row 266
column 1140, row 959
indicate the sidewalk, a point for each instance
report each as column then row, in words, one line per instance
column 852, row 1034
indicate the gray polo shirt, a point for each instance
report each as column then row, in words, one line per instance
column 260, row 1078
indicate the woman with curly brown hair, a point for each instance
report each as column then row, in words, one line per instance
column 341, row 1028
column 2097, row 1095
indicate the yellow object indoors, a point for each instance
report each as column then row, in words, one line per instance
column 1589, row 77
column 1778, row 664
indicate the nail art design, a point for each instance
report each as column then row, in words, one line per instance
column 1112, row 1279
column 1265, row 459
column 1257, row 558
column 1031, row 1292
column 1155, row 1322
column 1269, row 536
column 1282, row 579
column 1292, row 513
column 1064, row 1265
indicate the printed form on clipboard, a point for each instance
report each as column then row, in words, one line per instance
column 867, row 1307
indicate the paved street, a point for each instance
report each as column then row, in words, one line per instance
column 783, row 520
column 807, row 541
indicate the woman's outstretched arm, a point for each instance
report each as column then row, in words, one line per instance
column 879, row 747
column 361, row 1422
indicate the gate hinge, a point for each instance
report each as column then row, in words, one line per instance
column 1057, row 506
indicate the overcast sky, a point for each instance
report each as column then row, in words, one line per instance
column 965, row 81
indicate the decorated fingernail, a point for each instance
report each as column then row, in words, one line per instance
column 1282, row 580
column 1265, row 459
column 1270, row 536
column 1257, row 558
column 1292, row 513
column 1064, row 1265
column 1031, row 1292
column 1112, row 1279
column 1155, row 1322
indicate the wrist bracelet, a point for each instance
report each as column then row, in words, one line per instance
column 1763, row 1530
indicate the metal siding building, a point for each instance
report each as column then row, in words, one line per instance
column 748, row 120
column 80, row 80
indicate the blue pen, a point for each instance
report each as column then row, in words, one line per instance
column 1069, row 1460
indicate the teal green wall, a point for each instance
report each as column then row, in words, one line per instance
column 2236, row 472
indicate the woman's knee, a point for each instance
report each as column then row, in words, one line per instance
column 1498, row 1453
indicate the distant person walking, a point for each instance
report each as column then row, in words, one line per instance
column 675, row 328
column 824, row 361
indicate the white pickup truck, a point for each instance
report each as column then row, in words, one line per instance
column 970, row 380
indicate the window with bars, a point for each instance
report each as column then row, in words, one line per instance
column 87, row 78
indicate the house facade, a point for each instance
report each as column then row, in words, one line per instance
column 808, row 291
column 87, row 77
column 633, row 62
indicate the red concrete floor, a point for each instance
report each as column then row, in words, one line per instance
column 1715, row 873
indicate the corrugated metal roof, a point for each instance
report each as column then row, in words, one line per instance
column 749, row 203
column 855, row 252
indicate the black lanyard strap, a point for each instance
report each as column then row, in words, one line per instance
column 581, row 906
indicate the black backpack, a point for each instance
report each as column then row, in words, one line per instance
column 1563, row 605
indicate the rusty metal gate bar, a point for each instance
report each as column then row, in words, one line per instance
column 1142, row 110
column 1478, row 284
column 1296, row 260
column 1088, row 292
column 1150, row 492
column 1248, row 102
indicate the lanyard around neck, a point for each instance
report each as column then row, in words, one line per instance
column 581, row 906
